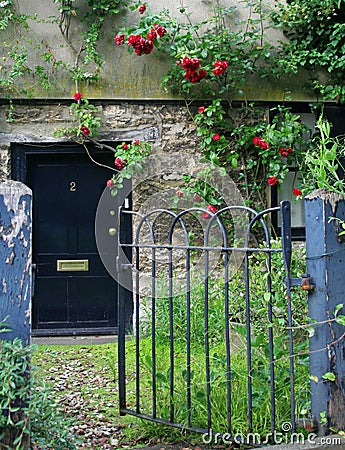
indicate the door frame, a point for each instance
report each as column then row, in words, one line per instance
column 20, row 152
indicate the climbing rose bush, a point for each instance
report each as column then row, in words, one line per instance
column 205, row 63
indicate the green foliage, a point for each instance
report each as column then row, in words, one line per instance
column 260, row 277
column 315, row 31
column 218, row 37
column 128, row 160
column 17, row 61
column 15, row 391
column 27, row 406
column 225, row 140
column 89, row 60
column 323, row 161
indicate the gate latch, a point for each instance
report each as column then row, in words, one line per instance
column 122, row 266
column 305, row 282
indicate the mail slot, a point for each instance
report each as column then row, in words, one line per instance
column 72, row 265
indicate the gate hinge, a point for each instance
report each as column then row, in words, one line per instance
column 305, row 282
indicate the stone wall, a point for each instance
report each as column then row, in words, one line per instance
column 168, row 127
column 5, row 171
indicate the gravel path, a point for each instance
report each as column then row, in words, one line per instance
column 82, row 378
column 85, row 393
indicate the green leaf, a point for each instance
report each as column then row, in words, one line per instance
column 329, row 376
column 340, row 320
column 267, row 296
column 311, row 331
column 337, row 308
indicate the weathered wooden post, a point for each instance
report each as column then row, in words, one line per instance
column 15, row 296
column 15, row 259
column 326, row 266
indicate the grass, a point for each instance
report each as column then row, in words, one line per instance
column 239, row 396
column 99, row 362
column 88, row 374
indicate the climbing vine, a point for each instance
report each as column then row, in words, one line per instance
column 315, row 30
column 215, row 60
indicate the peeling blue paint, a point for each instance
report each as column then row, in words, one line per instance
column 15, row 259
column 325, row 264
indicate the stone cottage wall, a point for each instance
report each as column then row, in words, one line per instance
column 167, row 126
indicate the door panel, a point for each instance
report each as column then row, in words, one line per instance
column 66, row 190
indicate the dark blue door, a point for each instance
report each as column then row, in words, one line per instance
column 73, row 292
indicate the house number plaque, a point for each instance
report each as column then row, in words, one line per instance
column 73, row 186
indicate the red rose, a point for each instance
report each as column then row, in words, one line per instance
column 110, row 184
column 160, row 30
column 85, row 130
column 120, row 39
column 179, row 193
column 152, row 35
column 124, row 146
column 256, row 140
column 140, row 44
column 272, row 181
column 136, row 142
column 215, row 137
column 285, row 152
column 119, row 164
column 147, row 46
column 296, row 192
column 210, row 208
column 77, row 96
column 201, row 109
column 142, row 8
column 263, row 144
column 190, row 64
column 220, row 67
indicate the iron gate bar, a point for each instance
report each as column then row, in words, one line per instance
column 145, row 220
column 227, row 341
column 269, row 304
column 199, row 247
column 153, row 334
column 188, row 336
column 171, row 331
column 206, row 248
column 225, row 249
column 259, row 216
column 226, row 313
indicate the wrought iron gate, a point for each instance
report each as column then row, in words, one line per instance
column 210, row 345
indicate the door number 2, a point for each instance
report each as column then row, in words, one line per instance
column 72, row 186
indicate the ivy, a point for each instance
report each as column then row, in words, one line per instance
column 88, row 58
column 315, row 31
column 16, row 63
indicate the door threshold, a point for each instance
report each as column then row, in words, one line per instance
column 72, row 332
column 74, row 340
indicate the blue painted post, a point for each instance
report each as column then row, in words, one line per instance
column 15, row 259
column 326, row 264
